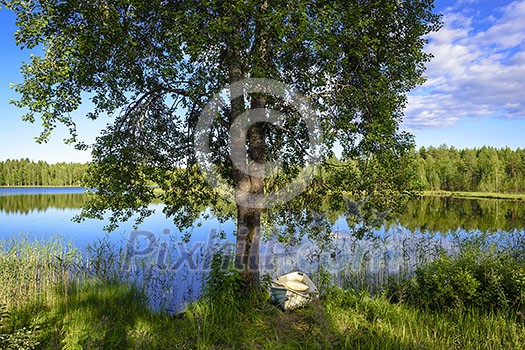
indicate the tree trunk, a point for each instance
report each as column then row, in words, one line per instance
column 248, row 182
column 247, row 246
column 249, row 191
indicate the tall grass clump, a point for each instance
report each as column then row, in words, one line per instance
column 364, row 264
column 223, row 310
column 32, row 276
column 33, row 269
column 52, row 296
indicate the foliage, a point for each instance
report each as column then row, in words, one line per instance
column 223, row 280
column 24, row 172
column 19, row 339
column 153, row 65
column 484, row 169
column 482, row 275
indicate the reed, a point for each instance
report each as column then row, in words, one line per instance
column 34, row 270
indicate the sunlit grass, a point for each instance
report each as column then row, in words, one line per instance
column 375, row 323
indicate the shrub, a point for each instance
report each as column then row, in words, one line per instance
column 478, row 276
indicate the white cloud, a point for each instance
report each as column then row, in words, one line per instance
column 478, row 68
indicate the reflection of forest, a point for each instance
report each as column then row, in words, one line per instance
column 27, row 203
column 434, row 214
column 444, row 214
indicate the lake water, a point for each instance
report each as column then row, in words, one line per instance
column 46, row 212
column 417, row 236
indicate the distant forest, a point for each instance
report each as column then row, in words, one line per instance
column 442, row 168
column 485, row 169
column 24, row 172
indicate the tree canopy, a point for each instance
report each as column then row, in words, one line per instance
column 156, row 65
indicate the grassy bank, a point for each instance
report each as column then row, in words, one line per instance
column 111, row 316
column 49, row 299
column 482, row 195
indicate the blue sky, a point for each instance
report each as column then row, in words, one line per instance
column 474, row 95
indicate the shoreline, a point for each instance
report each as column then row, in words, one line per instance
column 425, row 193
column 475, row 195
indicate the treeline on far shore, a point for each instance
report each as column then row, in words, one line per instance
column 25, row 172
column 485, row 169
column 443, row 168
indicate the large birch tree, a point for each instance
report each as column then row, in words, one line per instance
column 155, row 66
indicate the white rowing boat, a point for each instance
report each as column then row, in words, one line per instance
column 293, row 290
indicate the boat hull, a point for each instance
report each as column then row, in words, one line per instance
column 293, row 290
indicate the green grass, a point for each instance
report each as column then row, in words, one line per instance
column 114, row 317
column 484, row 195
column 48, row 301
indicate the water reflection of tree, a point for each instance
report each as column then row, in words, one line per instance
column 444, row 214
column 433, row 214
column 27, row 203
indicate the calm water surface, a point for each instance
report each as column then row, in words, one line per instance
column 46, row 212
